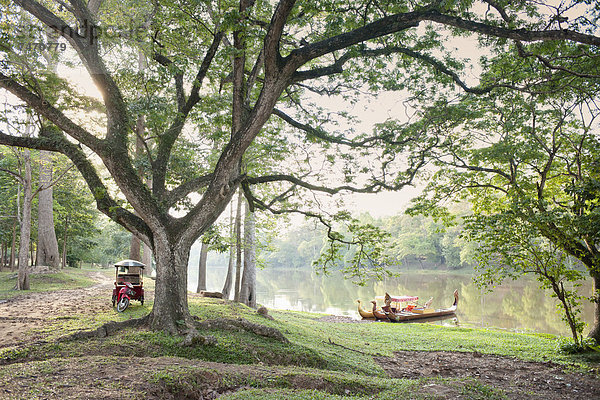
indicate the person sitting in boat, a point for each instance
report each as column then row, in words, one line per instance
column 428, row 303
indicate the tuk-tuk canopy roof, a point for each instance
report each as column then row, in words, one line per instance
column 130, row 263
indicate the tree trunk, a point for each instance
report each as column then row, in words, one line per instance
column 47, row 246
column 147, row 256
column 64, row 247
column 248, row 291
column 595, row 330
column 23, row 275
column 238, row 248
column 229, row 279
column 170, row 311
column 134, row 248
column 202, row 268
column 13, row 245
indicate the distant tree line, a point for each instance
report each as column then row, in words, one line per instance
column 415, row 242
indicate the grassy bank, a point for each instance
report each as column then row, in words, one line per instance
column 44, row 282
column 323, row 360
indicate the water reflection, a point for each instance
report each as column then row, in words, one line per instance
column 516, row 305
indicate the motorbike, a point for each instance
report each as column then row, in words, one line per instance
column 126, row 293
column 128, row 284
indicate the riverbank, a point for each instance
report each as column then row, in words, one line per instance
column 323, row 358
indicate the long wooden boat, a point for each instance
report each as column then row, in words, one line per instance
column 418, row 313
column 378, row 313
column 364, row 313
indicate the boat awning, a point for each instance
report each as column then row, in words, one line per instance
column 398, row 299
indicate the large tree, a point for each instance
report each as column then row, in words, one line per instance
column 529, row 163
column 220, row 71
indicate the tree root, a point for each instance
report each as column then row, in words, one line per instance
column 262, row 311
column 331, row 342
column 107, row 329
column 192, row 337
column 243, row 325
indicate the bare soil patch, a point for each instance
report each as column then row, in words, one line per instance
column 516, row 378
column 21, row 315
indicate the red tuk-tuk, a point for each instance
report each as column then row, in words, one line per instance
column 129, row 276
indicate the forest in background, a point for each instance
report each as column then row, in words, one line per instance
column 416, row 241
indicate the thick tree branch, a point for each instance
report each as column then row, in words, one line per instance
column 523, row 53
column 52, row 114
column 403, row 21
column 523, row 35
column 167, row 140
column 86, row 45
column 273, row 60
column 321, row 134
column 190, row 186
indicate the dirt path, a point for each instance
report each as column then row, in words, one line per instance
column 516, row 378
column 20, row 315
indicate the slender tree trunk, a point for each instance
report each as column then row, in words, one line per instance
column 134, row 248
column 13, row 245
column 202, row 268
column 248, row 291
column 47, row 245
column 23, row 275
column 595, row 330
column 229, row 278
column 65, row 237
column 32, row 257
column 238, row 248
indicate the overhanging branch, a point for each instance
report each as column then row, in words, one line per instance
column 51, row 113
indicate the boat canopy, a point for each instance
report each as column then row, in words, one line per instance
column 398, row 299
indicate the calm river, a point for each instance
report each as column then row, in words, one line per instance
column 516, row 305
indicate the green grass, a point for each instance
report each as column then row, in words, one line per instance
column 372, row 339
column 65, row 279
column 313, row 343
column 323, row 360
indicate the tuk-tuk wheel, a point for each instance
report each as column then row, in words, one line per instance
column 123, row 304
column 114, row 300
column 142, row 300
